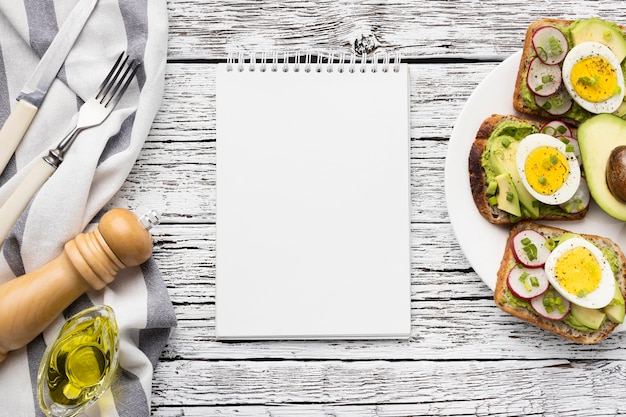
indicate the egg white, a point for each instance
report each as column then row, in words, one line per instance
column 598, row 298
column 569, row 187
column 585, row 50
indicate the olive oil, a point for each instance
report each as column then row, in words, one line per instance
column 80, row 365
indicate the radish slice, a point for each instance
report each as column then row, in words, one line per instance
column 527, row 283
column 580, row 200
column 543, row 80
column 550, row 305
column 557, row 104
column 557, row 128
column 550, row 44
column 570, row 140
column 529, row 248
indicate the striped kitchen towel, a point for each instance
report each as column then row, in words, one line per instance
column 77, row 194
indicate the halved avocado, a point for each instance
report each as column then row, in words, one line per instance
column 597, row 30
column 597, row 137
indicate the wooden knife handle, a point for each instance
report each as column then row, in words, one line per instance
column 14, row 129
column 17, row 202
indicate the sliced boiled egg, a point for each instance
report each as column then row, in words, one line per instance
column 593, row 77
column 547, row 169
column 580, row 273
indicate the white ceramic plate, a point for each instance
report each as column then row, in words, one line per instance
column 482, row 242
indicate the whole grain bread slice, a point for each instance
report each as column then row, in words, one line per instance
column 528, row 53
column 501, row 293
column 525, row 103
column 478, row 178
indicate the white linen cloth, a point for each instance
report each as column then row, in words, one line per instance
column 76, row 195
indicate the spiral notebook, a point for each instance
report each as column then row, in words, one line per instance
column 313, row 198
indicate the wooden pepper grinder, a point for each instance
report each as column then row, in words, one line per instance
column 29, row 303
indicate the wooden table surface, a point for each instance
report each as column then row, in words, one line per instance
column 464, row 356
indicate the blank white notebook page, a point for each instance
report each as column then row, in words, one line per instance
column 313, row 203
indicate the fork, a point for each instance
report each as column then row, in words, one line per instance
column 92, row 113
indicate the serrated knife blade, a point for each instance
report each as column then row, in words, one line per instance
column 34, row 91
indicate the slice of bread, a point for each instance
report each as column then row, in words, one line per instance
column 478, row 178
column 528, row 54
column 523, row 100
column 502, row 294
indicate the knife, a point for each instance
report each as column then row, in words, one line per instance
column 35, row 89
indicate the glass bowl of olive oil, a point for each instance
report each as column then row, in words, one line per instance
column 81, row 363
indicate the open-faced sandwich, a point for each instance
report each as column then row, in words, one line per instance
column 522, row 169
column 570, row 284
column 572, row 70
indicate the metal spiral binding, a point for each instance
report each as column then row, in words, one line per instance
column 310, row 62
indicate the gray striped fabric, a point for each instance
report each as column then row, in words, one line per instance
column 78, row 193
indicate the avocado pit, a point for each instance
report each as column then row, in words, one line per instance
column 616, row 172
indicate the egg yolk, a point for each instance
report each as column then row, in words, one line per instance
column 594, row 79
column 578, row 271
column 546, row 169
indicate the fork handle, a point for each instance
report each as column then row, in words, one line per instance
column 14, row 129
column 17, row 202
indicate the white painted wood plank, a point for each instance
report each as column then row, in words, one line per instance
column 551, row 387
column 450, row 337
column 478, row 407
column 469, row 29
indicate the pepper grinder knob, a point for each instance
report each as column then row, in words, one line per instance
column 90, row 261
column 127, row 236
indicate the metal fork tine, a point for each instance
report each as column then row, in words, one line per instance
column 105, row 82
column 119, row 82
column 117, row 95
column 114, row 82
